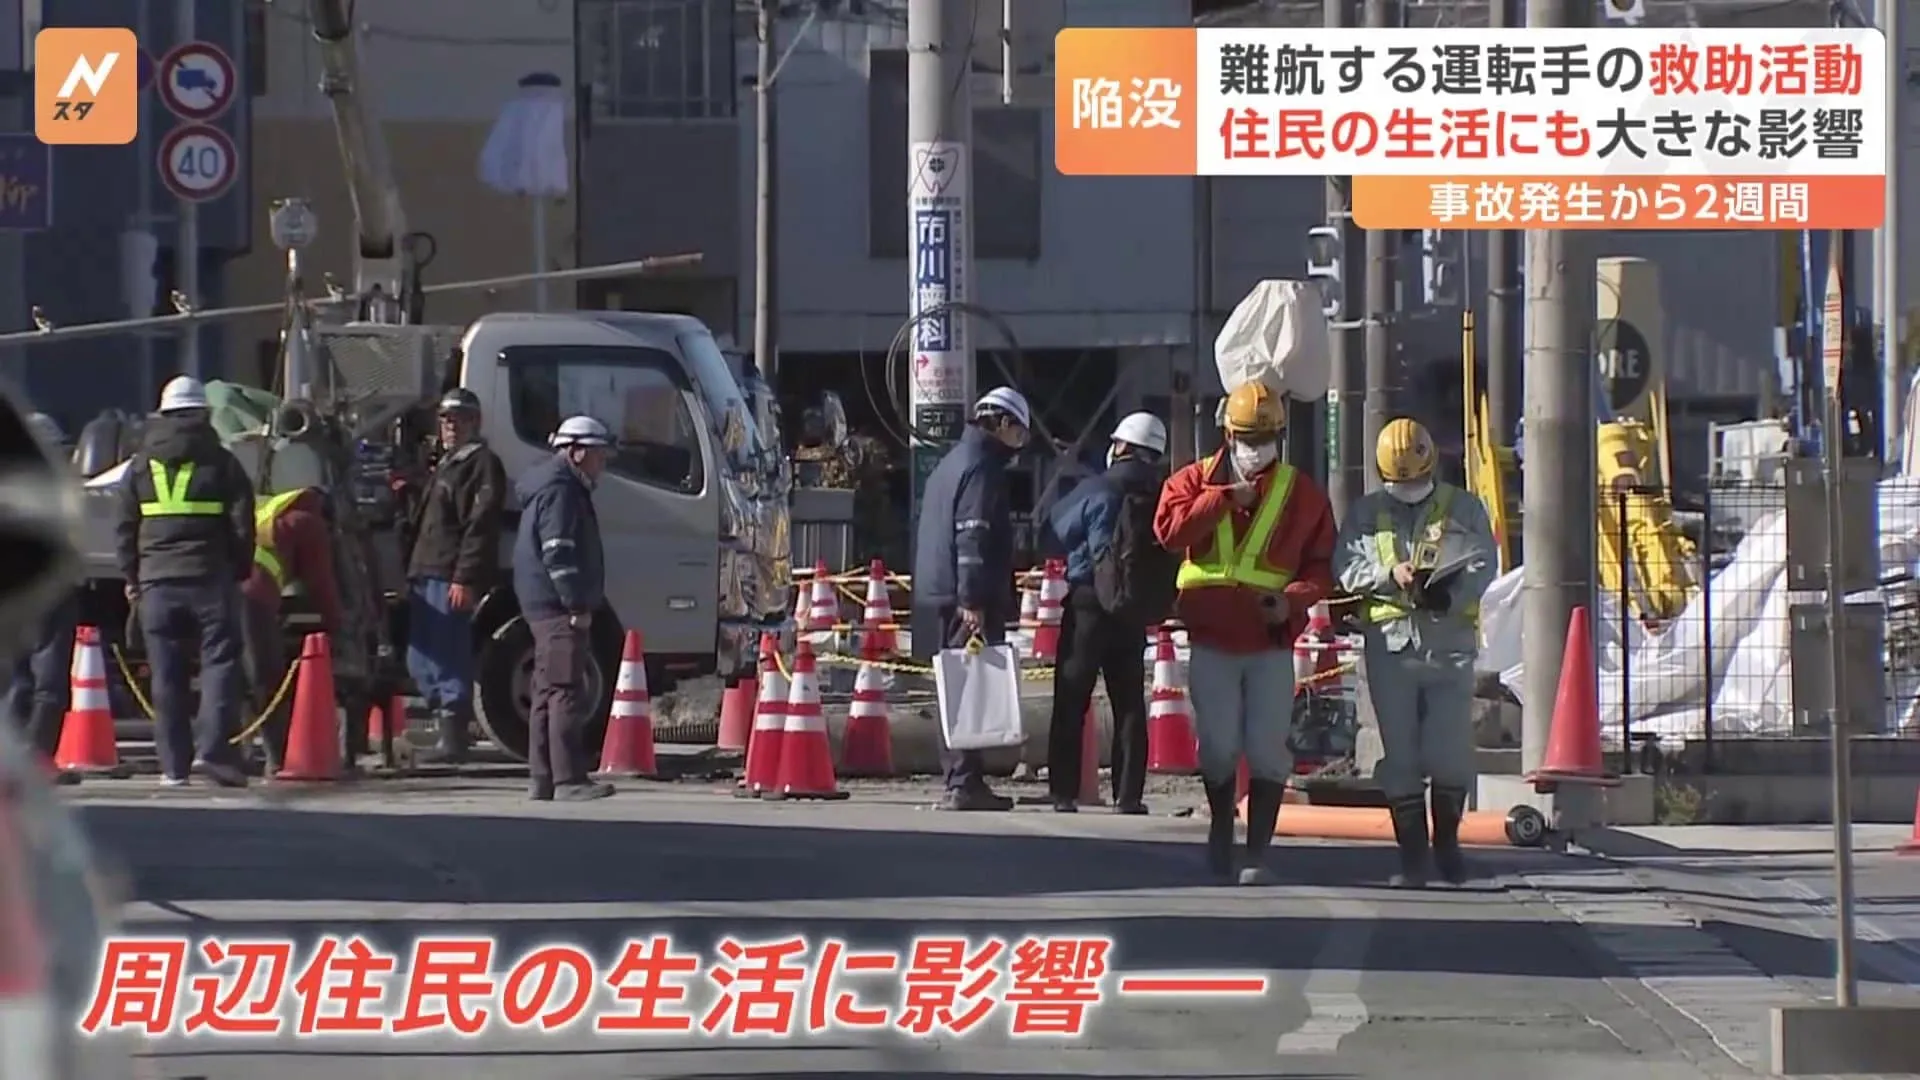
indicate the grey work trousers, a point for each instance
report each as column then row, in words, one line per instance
column 1242, row 705
column 1425, row 711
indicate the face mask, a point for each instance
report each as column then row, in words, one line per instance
column 1409, row 491
column 1250, row 459
column 1112, row 456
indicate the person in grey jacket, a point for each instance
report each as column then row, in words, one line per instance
column 559, row 575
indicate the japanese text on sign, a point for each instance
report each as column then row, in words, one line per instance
column 1036, row 986
column 1706, row 105
column 933, row 277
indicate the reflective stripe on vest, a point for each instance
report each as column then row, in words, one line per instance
column 263, row 520
column 1379, row 611
column 170, row 495
column 1228, row 563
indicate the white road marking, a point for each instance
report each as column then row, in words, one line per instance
column 1336, row 1009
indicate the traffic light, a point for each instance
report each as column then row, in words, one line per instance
column 1326, row 260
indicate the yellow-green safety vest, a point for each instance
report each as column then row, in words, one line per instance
column 1379, row 610
column 263, row 519
column 1226, row 563
column 170, row 495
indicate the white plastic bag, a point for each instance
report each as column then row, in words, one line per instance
column 1277, row 335
column 979, row 690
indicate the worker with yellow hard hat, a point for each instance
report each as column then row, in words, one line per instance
column 1418, row 555
column 1256, row 536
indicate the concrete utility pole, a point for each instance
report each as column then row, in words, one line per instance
column 1381, row 304
column 1346, row 425
column 1503, row 375
column 186, row 246
column 766, row 201
column 939, row 221
column 1558, row 526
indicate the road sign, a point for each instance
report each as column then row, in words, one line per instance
column 197, row 81
column 197, row 162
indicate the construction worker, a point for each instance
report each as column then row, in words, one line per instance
column 1258, row 540
column 963, row 561
column 293, row 545
column 184, row 540
column 559, row 574
column 1120, row 581
column 1418, row 555
column 453, row 558
column 37, row 696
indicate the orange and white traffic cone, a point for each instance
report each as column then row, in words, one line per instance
column 1022, row 637
column 1173, row 745
column 762, row 773
column 867, row 747
column 806, row 755
column 1052, row 609
column 87, row 741
column 876, row 621
column 628, row 749
column 823, row 609
column 313, row 733
column 736, row 714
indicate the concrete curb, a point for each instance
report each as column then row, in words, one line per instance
column 1815, row 1040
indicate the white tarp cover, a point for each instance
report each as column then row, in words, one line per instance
column 1746, row 609
column 1278, row 335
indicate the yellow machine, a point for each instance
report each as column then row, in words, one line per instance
column 1636, row 531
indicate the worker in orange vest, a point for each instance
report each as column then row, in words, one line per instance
column 293, row 545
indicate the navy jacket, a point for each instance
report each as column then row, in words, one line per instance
column 963, row 554
column 558, row 565
column 1083, row 523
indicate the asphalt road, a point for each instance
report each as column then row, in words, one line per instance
column 1498, row 980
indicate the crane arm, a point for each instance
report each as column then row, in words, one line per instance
column 385, row 271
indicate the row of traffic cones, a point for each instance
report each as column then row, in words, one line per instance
column 789, row 755
column 816, row 612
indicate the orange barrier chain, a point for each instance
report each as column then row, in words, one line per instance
column 1523, row 826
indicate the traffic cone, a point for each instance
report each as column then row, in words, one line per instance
column 762, row 773
column 1029, row 619
column 1313, row 646
column 87, row 741
column 1912, row 845
column 313, row 734
column 823, row 612
column 1573, row 742
column 27, row 1024
column 1052, row 608
column 806, row 756
column 393, row 719
column 628, row 749
column 1090, row 761
column 876, row 620
column 867, row 747
column 1172, row 744
column 736, row 714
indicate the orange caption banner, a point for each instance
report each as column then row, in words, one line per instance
column 1133, row 69
column 1618, row 202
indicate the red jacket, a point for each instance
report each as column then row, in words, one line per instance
column 1228, row 617
column 304, row 544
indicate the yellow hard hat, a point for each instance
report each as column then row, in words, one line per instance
column 1253, row 409
column 1404, row 452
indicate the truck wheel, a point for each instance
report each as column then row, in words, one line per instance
column 503, row 691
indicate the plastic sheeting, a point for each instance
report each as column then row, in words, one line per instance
column 1732, row 637
column 526, row 151
column 1278, row 335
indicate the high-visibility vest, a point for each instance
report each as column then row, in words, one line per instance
column 1228, row 562
column 170, row 494
column 1388, row 544
column 263, row 520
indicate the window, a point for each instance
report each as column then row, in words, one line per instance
column 657, row 59
column 639, row 393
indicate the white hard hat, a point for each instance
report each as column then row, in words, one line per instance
column 580, row 431
column 183, row 392
column 47, row 428
column 1142, row 429
column 1007, row 400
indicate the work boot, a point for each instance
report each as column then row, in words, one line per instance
column 584, row 791
column 540, row 790
column 1133, row 809
column 1220, row 807
column 1263, row 813
column 980, row 798
column 1410, row 832
column 450, row 740
column 1449, row 805
column 1065, row 806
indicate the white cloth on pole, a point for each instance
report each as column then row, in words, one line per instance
column 526, row 152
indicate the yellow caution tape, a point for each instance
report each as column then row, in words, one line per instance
column 146, row 706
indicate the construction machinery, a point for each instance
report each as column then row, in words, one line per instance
column 693, row 509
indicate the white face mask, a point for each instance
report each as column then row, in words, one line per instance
column 1409, row 491
column 1249, row 460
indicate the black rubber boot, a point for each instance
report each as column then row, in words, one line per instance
column 1263, row 812
column 450, row 740
column 1410, row 832
column 1220, row 805
column 1449, row 805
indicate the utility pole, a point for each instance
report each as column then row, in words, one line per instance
column 939, row 224
column 1893, row 386
column 1380, row 300
column 186, row 245
column 1346, row 430
column 1501, row 326
column 1558, row 526
column 766, row 201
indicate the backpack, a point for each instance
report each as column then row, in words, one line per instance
column 1135, row 576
